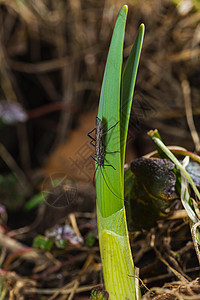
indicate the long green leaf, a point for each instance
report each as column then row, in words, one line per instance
column 113, row 235
column 128, row 84
column 109, row 113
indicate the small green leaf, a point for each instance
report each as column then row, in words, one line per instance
column 61, row 243
column 98, row 293
column 34, row 202
column 90, row 239
column 43, row 243
column 11, row 194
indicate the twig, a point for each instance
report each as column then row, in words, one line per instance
column 196, row 247
column 11, row 163
column 13, row 246
column 176, row 273
column 188, row 110
column 41, row 67
column 72, row 219
column 24, row 149
column 142, row 282
column 178, row 214
column 52, row 291
column 49, row 108
column 75, row 283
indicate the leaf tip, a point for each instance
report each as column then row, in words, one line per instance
column 142, row 26
column 151, row 132
column 125, row 7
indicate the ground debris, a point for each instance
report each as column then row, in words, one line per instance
column 175, row 291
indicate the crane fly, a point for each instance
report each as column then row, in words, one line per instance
column 98, row 143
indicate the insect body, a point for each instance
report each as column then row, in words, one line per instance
column 97, row 142
column 99, row 146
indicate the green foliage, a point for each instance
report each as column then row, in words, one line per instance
column 58, row 236
column 43, row 243
column 12, row 196
column 115, row 105
column 90, row 239
column 98, row 293
column 62, row 243
column 34, row 202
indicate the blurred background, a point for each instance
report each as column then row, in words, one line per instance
column 52, row 59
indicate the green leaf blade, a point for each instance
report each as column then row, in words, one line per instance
column 128, row 84
column 109, row 108
column 112, row 227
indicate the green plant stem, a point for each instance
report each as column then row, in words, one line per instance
column 116, row 94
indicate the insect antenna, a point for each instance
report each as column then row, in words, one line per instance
column 107, row 183
column 94, row 175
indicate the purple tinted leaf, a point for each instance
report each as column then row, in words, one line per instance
column 12, row 112
column 2, row 209
column 193, row 168
column 65, row 232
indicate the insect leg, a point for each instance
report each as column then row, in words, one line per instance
column 94, row 157
column 90, row 135
column 93, row 180
column 110, row 128
column 109, row 166
column 91, row 143
column 112, row 152
column 108, row 185
column 93, row 139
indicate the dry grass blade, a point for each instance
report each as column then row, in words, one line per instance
column 175, row 291
column 188, row 111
